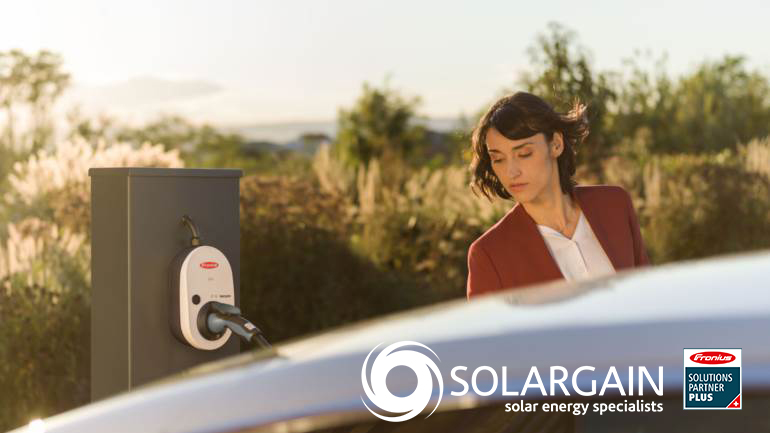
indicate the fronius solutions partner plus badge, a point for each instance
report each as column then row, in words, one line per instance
column 712, row 379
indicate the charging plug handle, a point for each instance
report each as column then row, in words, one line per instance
column 223, row 316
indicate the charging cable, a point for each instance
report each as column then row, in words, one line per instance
column 223, row 316
column 196, row 239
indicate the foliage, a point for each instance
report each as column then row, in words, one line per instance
column 636, row 111
column 562, row 73
column 54, row 185
column 30, row 83
column 380, row 125
column 298, row 274
column 718, row 106
column 203, row 146
column 29, row 86
column 699, row 206
column 44, row 350
column 45, row 276
column 199, row 146
column 419, row 225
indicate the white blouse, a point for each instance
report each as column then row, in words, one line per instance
column 578, row 258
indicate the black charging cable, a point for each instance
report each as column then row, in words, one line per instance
column 196, row 239
column 223, row 316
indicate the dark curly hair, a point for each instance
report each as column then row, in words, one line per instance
column 523, row 115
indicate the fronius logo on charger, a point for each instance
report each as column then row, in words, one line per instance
column 209, row 265
column 712, row 379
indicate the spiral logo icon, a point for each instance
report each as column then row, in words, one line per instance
column 410, row 406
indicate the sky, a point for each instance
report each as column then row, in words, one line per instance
column 252, row 62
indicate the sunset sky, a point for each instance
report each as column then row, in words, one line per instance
column 236, row 62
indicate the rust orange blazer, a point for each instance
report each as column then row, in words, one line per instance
column 513, row 253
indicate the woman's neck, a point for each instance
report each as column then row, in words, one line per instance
column 554, row 209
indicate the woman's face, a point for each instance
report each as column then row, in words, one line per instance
column 525, row 167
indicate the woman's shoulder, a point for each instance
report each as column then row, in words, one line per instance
column 603, row 196
column 602, row 191
column 497, row 233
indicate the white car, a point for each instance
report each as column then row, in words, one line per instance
column 633, row 319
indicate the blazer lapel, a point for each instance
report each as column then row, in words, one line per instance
column 526, row 233
column 591, row 212
column 536, row 255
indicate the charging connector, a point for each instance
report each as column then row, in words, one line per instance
column 225, row 316
column 203, row 312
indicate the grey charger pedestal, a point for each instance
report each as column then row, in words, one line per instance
column 136, row 231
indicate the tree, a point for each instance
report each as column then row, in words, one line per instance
column 562, row 74
column 380, row 125
column 720, row 105
column 200, row 146
column 33, row 82
column 716, row 107
column 29, row 85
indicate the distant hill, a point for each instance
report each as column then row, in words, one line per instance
column 288, row 133
column 307, row 144
column 256, row 148
column 305, row 139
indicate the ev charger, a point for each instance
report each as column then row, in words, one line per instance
column 200, row 276
column 203, row 312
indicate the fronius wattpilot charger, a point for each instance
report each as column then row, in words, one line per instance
column 203, row 312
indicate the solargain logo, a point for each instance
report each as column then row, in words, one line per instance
column 410, row 354
column 379, row 394
column 712, row 379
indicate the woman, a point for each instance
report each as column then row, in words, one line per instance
column 524, row 150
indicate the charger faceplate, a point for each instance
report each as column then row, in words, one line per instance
column 205, row 275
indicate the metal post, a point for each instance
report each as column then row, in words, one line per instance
column 136, row 231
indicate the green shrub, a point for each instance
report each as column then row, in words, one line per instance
column 298, row 272
column 700, row 206
column 45, row 276
column 416, row 222
column 44, row 351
